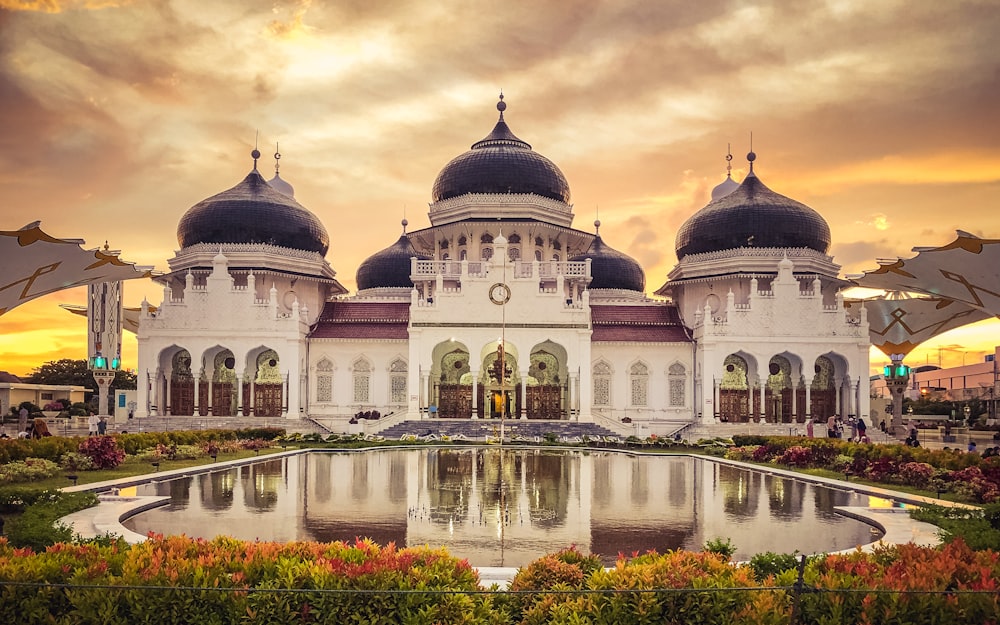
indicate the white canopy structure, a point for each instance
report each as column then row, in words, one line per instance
column 958, row 282
column 35, row 264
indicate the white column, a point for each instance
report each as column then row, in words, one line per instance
column 475, row 393
column 197, row 393
column 238, row 389
column 424, row 391
column 839, row 396
column 716, row 405
column 808, row 383
column 524, row 395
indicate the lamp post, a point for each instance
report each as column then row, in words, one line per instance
column 897, row 378
column 104, row 332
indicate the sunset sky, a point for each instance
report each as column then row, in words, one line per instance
column 116, row 117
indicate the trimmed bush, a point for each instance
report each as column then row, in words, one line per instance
column 27, row 470
column 103, row 451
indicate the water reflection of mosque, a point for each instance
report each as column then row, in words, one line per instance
column 507, row 508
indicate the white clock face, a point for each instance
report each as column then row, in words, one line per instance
column 499, row 293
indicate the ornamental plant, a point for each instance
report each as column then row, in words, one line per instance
column 27, row 470
column 916, row 474
column 104, row 451
column 796, row 456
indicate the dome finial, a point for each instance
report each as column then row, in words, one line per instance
column 597, row 221
column 751, row 157
column 728, row 185
column 501, row 105
column 405, row 223
column 277, row 157
column 256, row 153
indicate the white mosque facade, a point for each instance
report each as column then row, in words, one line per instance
column 500, row 308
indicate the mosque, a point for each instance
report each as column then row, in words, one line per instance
column 502, row 309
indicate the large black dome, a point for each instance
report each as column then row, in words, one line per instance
column 253, row 212
column 501, row 163
column 389, row 267
column 753, row 216
column 611, row 269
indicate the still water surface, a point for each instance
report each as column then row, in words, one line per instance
column 508, row 507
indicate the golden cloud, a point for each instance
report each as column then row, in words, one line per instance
column 58, row 6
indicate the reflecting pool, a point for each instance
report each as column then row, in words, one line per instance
column 508, row 507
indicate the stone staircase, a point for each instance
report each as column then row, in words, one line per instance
column 480, row 429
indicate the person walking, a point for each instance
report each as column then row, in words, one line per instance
column 809, row 427
column 92, row 422
column 102, row 426
column 862, row 431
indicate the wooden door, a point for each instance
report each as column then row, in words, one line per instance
column 182, row 397
column 267, row 401
column 733, row 405
column 222, row 399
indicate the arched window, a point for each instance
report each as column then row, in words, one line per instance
column 639, row 384
column 487, row 253
column 486, row 238
column 514, row 238
column 676, row 385
column 362, row 381
column 514, row 253
column 397, row 381
column 602, row 384
column 324, row 381
column 538, row 255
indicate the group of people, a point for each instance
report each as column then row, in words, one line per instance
column 96, row 426
column 835, row 429
column 38, row 428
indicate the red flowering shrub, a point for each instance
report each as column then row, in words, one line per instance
column 767, row 453
column 916, row 473
column 796, row 456
column 103, row 451
column 883, row 469
column 973, row 484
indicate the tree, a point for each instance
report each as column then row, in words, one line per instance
column 63, row 372
column 76, row 373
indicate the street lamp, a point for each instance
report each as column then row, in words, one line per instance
column 897, row 378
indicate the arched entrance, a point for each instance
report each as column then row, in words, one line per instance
column 734, row 390
column 823, row 391
column 224, row 384
column 778, row 402
column 181, row 384
column 544, row 391
column 454, row 389
column 500, row 391
column 268, row 386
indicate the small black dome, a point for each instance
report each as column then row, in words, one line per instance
column 253, row 212
column 389, row 267
column 611, row 269
column 752, row 216
column 501, row 163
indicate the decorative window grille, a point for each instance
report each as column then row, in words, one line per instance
column 324, row 388
column 397, row 381
column 639, row 382
column 602, row 384
column 362, row 382
column 676, row 377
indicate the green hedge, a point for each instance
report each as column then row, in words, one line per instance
column 53, row 447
